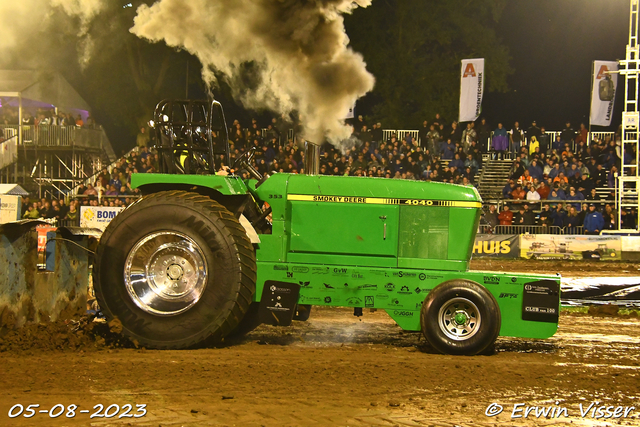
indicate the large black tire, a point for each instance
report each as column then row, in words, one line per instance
column 226, row 286
column 470, row 301
column 249, row 322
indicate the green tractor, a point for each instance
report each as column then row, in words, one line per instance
column 203, row 256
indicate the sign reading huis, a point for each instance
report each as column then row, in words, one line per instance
column 97, row 216
column 496, row 245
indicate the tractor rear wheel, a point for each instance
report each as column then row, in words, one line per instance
column 176, row 269
column 460, row 317
column 249, row 322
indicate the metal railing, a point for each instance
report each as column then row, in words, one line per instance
column 62, row 136
column 530, row 229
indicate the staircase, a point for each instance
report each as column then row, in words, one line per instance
column 493, row 178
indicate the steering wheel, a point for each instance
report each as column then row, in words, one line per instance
column 245, row 158
column 245, row 161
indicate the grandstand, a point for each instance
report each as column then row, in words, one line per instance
column 48, row 142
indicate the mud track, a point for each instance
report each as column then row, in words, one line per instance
column 338, row 370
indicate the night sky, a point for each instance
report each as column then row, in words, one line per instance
column 553, row 44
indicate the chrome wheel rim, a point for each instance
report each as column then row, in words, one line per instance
column 165, row 273
column 459, row 319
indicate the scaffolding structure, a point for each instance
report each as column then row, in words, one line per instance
column 51, row 161
column 628, row 185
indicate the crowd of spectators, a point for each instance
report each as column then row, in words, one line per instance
column 566, row 172
column 441, row 153
column 40, row 117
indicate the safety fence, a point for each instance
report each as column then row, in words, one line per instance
column 61, row 136
column 529, row 229
column 485, row 145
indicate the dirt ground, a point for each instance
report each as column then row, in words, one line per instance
column 334, row 369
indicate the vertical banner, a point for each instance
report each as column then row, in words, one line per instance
column 471, row 89
column 603, row 92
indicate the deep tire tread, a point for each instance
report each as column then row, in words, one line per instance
column 241, row 245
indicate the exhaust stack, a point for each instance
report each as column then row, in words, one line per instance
column 311, row 158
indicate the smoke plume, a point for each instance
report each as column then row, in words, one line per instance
column 24, row 19
column 282, row 55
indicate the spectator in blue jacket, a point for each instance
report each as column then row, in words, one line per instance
column 558, row 216
column 575, row 195
column 457, row 162
column 448, row 149
column 593, row 221
column 535, row 170
column 508, row 189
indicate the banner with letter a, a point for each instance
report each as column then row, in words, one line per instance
column 601, row 108
column 471, row 89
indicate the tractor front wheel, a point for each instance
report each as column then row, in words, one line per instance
column 176, row 269
column 460, row 317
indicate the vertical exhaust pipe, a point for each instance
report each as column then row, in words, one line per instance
column 311, row 158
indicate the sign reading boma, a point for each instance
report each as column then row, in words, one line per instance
column 97, row 216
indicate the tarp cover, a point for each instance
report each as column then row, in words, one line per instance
column 13, row 190
column 47, row 87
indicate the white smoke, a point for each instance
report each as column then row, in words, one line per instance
column 22, row 18
column 282, row 55
column 85, row 10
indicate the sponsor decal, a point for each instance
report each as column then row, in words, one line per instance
column 390, row 287
column 304, row 298
column 379, row 273
column 281, row 267
column 540, row 310
column 382, row 296
column 274, row 288
column 328, row 286
column 404, row 290
column 298, row 269
column 369, row 301
column 368, row 286
column 423, row 290
column 354, row 301
column 419, row 305
column 405, row 274
column 357, row 275
column 403, row 313
column 507, row 295
column 340, row 271
column 422, row 276
column 395, row 301
column 491, row 280
column 304, row 284
column 289, row 274
column 327, row 300
column 320, row 270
